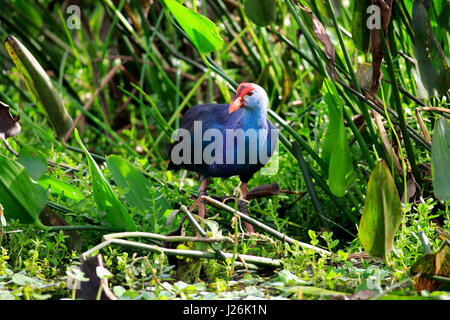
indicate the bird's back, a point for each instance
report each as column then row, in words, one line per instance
column 216, row 116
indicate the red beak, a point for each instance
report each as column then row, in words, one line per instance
column 238, row 100
column 236, row 104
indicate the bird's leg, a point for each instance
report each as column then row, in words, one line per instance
column 242, row 205
column 201, row 193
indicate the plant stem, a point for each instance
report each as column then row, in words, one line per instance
column 399, row 109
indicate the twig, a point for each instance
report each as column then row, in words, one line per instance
column 164, row 238
column 262, row 226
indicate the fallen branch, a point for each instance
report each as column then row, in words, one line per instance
column 249, row 260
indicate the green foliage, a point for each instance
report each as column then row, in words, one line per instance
column 261, row 12
column 106, row 200
column 40, row 85
column 202, row 31
column 336, row 152
column 139, row 191
column 382, row 213
column 60, row 188
column 360, row 32
column 440, row 155
column 430, row 58
column 21, row 198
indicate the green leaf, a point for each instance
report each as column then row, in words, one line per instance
column 202, row 31
column 382, row 213
column 33, row 161
column 139, row 191
column 335, row 151
column 60, row 187
column 20, row 197
column 39, row 84
column 104, row 196
column 440, row 159
column 261, row 12
column 430, row 58
column 360, row 32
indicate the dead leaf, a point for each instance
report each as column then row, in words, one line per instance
column 432, row 264
column 385, row 7
column 9, row 127
column 322, row 36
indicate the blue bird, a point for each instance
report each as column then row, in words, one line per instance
column 221, row 140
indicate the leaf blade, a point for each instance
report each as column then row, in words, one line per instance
column 106, row 200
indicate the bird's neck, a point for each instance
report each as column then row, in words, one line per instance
column 255, row 118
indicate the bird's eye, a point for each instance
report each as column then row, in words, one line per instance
column 250, row 93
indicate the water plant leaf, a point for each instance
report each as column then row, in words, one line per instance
column 33, row 161
column 430, row 58
column 9, row 127
column 261, row 12
column 202, row 31
column 40, row 86
column 21, row 197
column 139, row 191
column 60, row 188
column 432, row 264
column 360, row 32
column 106, row 200
column 382, row 213
column 335, row 151
column 440, row 159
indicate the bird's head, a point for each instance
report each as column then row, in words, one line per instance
column 249, row 96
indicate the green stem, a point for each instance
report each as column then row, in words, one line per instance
column 309, row 184
column 399, row 109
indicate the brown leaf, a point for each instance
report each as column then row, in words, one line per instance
column 9, row 127
column 377, row 46
column 432, row 264
column 412, row 188
column 322, row 36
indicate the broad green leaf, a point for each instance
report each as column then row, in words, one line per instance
column 335, row 151
column 139, row 191
column 382, row 213
column 33, row 161
column 40, row 85
column 20, row 197
column 60, row 187
column 202, row 31
column 360, row 32
column 440, row 159
column 430, row 58
column 106, row 200
column 261, row 12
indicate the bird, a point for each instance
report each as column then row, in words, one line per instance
column 224, row 140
